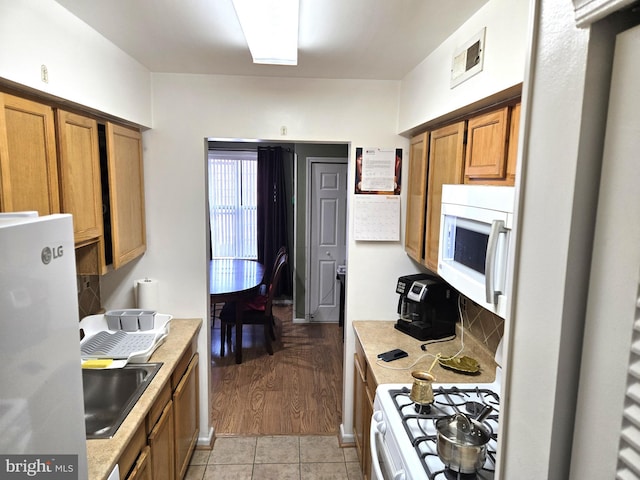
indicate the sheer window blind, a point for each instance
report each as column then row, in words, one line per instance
column 232, row 204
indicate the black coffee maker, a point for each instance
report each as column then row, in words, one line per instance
column 427, row 307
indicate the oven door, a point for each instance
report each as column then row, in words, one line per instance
column 383, row 465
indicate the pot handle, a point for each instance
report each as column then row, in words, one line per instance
column 486, row 411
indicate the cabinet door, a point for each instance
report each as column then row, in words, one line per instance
column 142, row 468
column 359, row 396
column 416, row 197
column 368, row 412
column 28, row 165
column 185, row 401
column 446, row 163
column 512, row 154
column 487, row 146
column 126, row 193
column 162, row 445
column 79, row 168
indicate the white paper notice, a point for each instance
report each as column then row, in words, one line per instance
column 378, row 170
column 377, row 217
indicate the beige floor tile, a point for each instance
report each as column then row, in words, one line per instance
column 233, row 451
column 278, row 457
column 323, row 471
column 226, row 472
column 276, row 471
column 195, row 472
column 200, row 457
column 350, row 454
column 278, row 449
column 353, row 471
column 320, row 449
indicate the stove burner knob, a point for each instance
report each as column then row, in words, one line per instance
column 380, row 424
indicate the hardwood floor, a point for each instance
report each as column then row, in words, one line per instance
column 297, row 390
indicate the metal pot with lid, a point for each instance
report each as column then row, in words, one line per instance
column 462, row 441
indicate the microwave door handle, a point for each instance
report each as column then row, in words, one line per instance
column 497, row 227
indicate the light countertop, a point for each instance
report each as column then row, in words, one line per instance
column 380, row 336
column 103, row 454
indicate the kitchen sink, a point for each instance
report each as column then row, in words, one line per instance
column 110, row 394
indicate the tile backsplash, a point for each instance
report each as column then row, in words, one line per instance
column 88, row 295
column 485, row 326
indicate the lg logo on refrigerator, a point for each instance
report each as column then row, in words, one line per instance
column 49, row 254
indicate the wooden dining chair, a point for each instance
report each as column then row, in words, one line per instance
column 258, row 311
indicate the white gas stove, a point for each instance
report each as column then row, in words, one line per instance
column 403, row 434
column 404, row 437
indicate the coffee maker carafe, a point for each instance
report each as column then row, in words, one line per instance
column 427, row 307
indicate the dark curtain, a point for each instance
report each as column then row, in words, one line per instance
column 272, row 213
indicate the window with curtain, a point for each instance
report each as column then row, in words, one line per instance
column 233, row 204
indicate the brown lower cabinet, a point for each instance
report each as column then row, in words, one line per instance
column 162, row 446
column 185, row 401
column 364, row 393
column 142, row 468
column 161, row 437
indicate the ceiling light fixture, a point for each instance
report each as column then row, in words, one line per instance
column 271, row 29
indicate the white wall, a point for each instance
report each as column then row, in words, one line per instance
column 83, row 66
column 189, row 108
column 426, row 94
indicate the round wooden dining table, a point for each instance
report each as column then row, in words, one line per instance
column 235, row 280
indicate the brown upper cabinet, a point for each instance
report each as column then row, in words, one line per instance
column 28, row 164
column 479, row 150
column 53, row 160
column 417, row 196
column 446, row 162
column 79, row 167
column 126, row 193
column 512, row 153
column 121, row 202
column 492, row 143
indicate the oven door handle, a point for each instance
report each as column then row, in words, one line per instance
column 377, row 431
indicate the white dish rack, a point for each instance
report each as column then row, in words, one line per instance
column 123, row 346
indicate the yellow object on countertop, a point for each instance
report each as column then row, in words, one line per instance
column 97, row 363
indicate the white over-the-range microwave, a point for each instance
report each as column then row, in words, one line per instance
column 475, row 231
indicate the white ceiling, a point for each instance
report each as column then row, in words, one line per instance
column 360, row 39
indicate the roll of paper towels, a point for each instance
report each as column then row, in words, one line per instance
column 147, row 294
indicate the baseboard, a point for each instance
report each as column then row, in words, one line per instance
column 205, row 442
column 282, row 301
column 346, row 438
column 304, row 320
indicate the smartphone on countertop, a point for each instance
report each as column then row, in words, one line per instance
column 392, row 355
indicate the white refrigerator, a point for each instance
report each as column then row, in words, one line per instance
column 41, row 401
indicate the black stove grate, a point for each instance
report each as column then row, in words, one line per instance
column 419, row 424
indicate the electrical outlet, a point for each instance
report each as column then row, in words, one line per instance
column 44, row 73
column 283, row 130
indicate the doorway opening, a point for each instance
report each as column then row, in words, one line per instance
column 299, row 342
column 300, row 154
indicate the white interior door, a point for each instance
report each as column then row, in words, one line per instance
column 327, row 237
